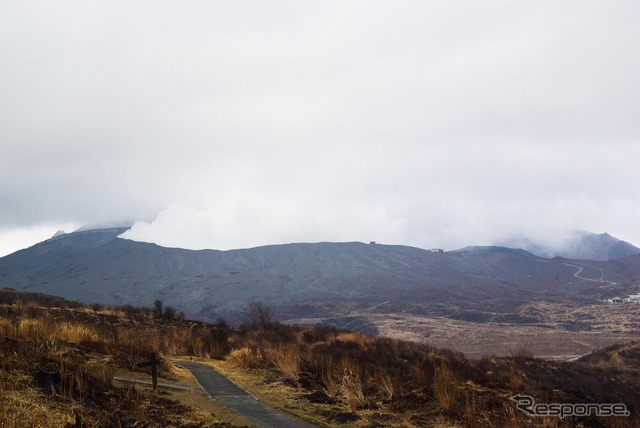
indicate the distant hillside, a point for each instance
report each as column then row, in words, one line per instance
column 301, row 280
column 497, row 249
column 580, row 245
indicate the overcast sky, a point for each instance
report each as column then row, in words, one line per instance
column 241, row 123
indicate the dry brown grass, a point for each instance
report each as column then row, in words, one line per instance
column 390, row 382
column 358, row 338
column 514, row 381
column 242, row 358
column 352, row 379
column 286, row 358
column 25, row 408
column 57, row 364
column 344, row 382
column 446, row 390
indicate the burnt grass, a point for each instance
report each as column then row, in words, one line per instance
column 365, row 380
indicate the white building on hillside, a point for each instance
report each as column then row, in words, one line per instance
column 633, row 298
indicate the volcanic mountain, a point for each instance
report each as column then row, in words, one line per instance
column 300, row 280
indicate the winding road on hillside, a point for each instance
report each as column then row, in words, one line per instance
column 581, row 269
column 228, row 394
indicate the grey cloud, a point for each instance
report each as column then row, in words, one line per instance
column 427, row 123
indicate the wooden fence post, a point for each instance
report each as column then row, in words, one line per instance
column 153, row 362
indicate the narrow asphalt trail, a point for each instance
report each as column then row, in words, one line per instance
column 232, row 397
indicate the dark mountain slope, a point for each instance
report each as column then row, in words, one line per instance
column 96, row 266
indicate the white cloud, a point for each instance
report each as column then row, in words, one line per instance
column 249, row 222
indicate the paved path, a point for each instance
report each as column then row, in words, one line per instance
column 232, row 397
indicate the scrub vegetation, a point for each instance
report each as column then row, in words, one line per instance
column 58, row 361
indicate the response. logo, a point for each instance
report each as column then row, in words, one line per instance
column 526, row 404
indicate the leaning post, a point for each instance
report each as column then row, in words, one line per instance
column 153, row 362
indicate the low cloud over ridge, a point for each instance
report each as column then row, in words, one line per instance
column 234, row 125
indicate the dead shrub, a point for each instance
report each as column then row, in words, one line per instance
column 383, row 384
column 308, row 336
column 343, row 381
column 351, row 389
column 243, row 358
column 24, row 409
column 175, row 340
column 286, row 358
column 102, row 371
column 358, row 338
column 445, row 389
column 514, row 380
column 75, row 332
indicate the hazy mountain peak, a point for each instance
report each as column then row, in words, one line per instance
column 579, row 244
column 58, row 233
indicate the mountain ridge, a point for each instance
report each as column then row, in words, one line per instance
column 300, row 278
column 578, row 245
